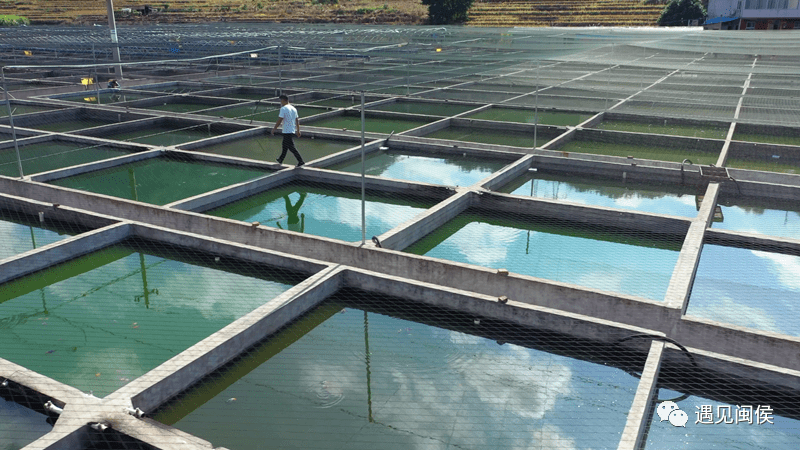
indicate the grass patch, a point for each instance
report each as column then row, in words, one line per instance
column 10, row 20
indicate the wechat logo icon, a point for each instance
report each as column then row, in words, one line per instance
column 670, row 411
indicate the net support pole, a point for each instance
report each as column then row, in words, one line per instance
column 112, row 25
column 536, row 108
column 280, row 71
column 363, row 178
column 11, row 122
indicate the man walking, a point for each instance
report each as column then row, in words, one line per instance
column 291, row 126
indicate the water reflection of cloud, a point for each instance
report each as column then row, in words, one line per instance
column 492, row 396
column 785, row 267
column 482, row 245
column 724, row 308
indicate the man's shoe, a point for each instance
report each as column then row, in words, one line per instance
column 300, row 164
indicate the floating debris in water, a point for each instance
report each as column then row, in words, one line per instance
column 344, row 310
column 230, row 400
column 50, row 351
column 97, row 374
column 124, row 379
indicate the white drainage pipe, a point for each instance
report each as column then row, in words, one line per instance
column 53, row 408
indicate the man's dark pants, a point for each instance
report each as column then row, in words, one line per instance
column 288, row 145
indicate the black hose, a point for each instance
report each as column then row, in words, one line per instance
column 671, row 341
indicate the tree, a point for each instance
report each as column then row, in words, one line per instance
column 442, row 12
column 679, row 12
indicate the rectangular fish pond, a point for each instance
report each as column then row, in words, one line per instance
column 672, row 199
column 666, row 126
column 51, row 155
column 495, row 136
column 165, row 133
column 519, row 115
column 700, row 152
column 598, row 258
column 447, row 169
column 427, row 108
column 106, row 97
column 161, row 180
column 101, row 320
column 18, row 109
column 767, row 158
column 713, row 403
column 352, row 122
column 20, row 233
column 367, row 371
column 267, row 147
column 65, row 126
column 324, row 210
column 266, row 112
column 752, row 288
column 762, row 215
column 178, row 106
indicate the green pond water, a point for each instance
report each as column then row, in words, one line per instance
column 261, row 111
column 675, row 129
column 762, row 215
column 437, row 169
column 366, row 371
column 52, row 155
column 179, row 107
column 65, row 126
column 268, row 148
column 240, row 79
column 661, row 199
column 329, row 212
column 174, row 89
column 242, row 95
column 607, row 260
column 767, row 138
column 160, row 180
column 400, row 90
column 747, row 287
column 371, row 124
column 108, row 97
column 345, row 101
column 544, row 101
column 19, row 426
column 529, row 116
column 470, row 96
column 431, row 109
column 99, row 321
column 164, row 135
column 18, row 234
column 780, row 162
column 487, row 136
column 640, row 151
column 781, row 433
column 500, row 87
column 311, row 84
column 18, row 110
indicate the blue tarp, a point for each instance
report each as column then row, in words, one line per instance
column 719, row 20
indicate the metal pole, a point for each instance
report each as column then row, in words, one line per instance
column 11, row 121
column 113, row 26
column 96, row 85
column 536, row 108
column 280, row 73
column 363, row 178
column 369, row 371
